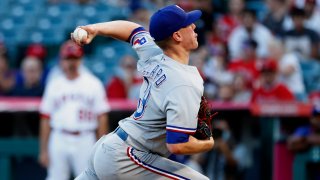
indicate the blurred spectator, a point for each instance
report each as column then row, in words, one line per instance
column 300, row 39
column 141, row 16
column 302, row 3
column 312, row 16
column 204, row 24
column 31, row 83
column 126, row 83
column 289, row 70
column 307, row 136
column 242, row 89
column 249, row 63
column 214, row 41
column 275, row 18
column 198, row 59
column 40, row 52
column 314, row 98
column 270, row 90
column 7, row 77
column 206, row 8
column 226, row 92
column 229, row 21
column 250, row 28
column 216, row 72
column 228, row 159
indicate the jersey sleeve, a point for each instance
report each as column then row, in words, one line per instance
column 101, row 101
column 181, row 106
column 47, row 104
column 144, row 45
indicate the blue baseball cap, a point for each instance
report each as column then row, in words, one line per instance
column 170, row 19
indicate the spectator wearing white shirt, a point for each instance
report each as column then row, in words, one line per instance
column 215, row 70
column 250, row 28
column 302, row 3
column 289, row 70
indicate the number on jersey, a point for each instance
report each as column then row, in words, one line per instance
column 86, row 115
column 142, row 104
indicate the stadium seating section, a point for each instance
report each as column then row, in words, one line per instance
column 36, row 21
column 23, row 22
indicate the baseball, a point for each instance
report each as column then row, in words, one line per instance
column 79, row 34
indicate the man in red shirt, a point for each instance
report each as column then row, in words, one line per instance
column 126, row 83
column 229, row 21
column 249, row 64
column 270, row 90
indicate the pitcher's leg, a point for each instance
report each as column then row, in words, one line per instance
column 153, row 166
column 89, row 173
column 114, row 159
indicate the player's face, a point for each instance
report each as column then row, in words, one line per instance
column 70, row 66
column 248, row 20
column 189, row 37
column 32, row 73
column 298, row 21
column 268, row 77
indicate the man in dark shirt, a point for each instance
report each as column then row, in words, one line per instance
column 300, row 39
column 31, row 84
column 306, row 136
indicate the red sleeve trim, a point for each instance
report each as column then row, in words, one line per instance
column 45, row 116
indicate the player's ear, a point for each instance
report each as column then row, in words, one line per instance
column 177, row 36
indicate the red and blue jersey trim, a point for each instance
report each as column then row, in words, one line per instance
column 135, row 32
column 181, row 129
column 151, row 168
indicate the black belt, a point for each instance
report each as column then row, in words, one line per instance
column 121, row 133
column 74, row 133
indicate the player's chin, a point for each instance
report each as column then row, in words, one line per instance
column 195, row 45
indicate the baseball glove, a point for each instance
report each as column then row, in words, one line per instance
column 204, row 127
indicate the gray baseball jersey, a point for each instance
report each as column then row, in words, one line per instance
column 169, row 97
column 167, row 110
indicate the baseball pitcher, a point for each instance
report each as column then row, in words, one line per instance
column 166, row 118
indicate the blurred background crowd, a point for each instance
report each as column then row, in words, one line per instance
column 249, row 51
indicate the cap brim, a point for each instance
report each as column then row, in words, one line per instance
column 192, row 16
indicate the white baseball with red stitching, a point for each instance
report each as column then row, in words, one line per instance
column 79, row 34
